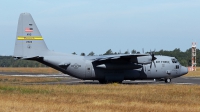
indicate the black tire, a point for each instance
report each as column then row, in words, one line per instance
column 102, row 81
column 168, row 80
column 119, row 82
column 105, row 82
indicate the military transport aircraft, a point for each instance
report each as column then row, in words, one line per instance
column 30, row 45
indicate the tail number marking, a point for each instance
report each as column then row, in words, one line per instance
column 28, row 41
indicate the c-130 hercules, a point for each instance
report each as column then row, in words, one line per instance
column 30, row 45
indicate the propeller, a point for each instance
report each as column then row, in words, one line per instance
column 153, row 58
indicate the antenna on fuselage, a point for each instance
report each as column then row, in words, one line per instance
column 143, row 50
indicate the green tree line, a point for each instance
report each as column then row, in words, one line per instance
column 183, row 57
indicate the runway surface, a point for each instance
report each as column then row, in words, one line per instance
column 66, row 79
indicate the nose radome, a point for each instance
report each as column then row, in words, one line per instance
column 184, row 70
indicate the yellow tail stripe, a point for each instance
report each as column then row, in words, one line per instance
column 29, row 38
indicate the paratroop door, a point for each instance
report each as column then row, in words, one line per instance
column 88, row 70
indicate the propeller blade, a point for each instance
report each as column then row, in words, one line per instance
column 153, row 58
column 151, row 65
column 154, row 64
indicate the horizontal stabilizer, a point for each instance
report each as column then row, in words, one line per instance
column 29, row 58
column 34, row 58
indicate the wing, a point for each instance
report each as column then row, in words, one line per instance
column 124, row 58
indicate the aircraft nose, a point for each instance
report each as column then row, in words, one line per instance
column 184, row 70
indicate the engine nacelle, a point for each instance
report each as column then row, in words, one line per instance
column 143, row 60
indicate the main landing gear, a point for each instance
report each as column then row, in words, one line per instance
column 106, row 82
column 168, row 80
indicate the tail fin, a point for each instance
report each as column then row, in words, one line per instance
column 29, row 42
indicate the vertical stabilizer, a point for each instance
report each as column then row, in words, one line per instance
column 29, row 42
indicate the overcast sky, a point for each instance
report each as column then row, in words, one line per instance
column 98, row 25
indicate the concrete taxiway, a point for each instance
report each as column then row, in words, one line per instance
column 66, row 79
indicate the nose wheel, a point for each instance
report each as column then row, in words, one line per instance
column 167, row 80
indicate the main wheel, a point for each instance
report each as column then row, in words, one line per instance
column 120, row 81
column 168, row 80
column 102, row 81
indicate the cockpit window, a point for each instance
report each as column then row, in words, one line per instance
column 174, row 60
column 177, row 66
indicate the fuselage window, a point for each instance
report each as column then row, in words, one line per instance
column 177, row 66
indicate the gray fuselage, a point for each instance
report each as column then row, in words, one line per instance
column 83, row 67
